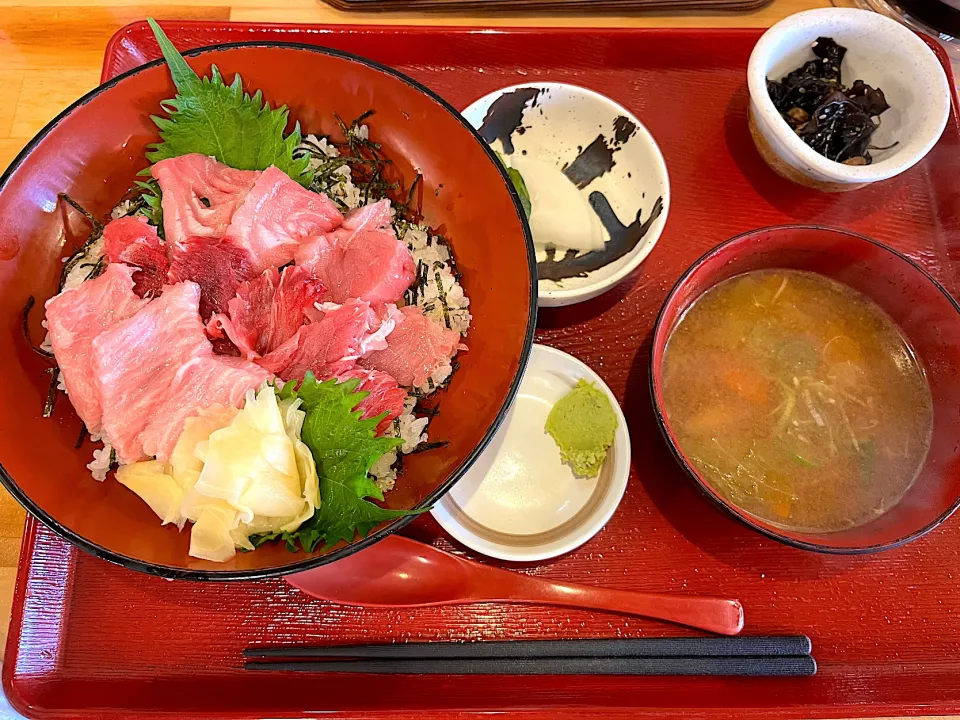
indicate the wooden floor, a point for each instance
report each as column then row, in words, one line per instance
column 51, row 52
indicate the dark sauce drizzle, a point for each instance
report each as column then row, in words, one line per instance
column 623, row 239
column 505, row 116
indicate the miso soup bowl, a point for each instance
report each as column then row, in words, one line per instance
column 925, row 312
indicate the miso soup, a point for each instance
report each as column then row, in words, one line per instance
column 798, row 399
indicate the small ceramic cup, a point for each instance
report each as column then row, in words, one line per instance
column 881, row 52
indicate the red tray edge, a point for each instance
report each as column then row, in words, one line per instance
column 112, row 48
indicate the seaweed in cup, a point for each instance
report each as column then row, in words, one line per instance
column 583, row 425
column 835, row 120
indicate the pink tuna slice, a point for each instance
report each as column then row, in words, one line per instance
column 332, row 344
column 133, row 241
column 277, row 217
column 416, row 349
column 216, row 265
column 362, row 259
column 375, row 216
column 136, row 363
column 268, row 310
column 385, row 396
column 200, row 383
column 199, row 195
column 74, row 318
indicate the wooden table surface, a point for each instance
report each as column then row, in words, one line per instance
column 51, row 52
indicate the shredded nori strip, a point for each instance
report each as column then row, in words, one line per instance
column 442, row 295
column 97, row 225
column 52, row 391
column 31, row 301
column 425, row 446
column 81, row 437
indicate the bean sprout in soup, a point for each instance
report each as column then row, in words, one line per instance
column 798, row 400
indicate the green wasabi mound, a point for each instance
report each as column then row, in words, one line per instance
column 583, row 424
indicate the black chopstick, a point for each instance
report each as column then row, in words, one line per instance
column 743, row 666
column 749, row 646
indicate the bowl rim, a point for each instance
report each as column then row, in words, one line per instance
column 571, row 296
column 838, row 172
column 659, row 329
column 177, row 573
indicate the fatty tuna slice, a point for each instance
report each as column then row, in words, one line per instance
column 199, row 195
column 268, row 310
column 202, row 382
column 216, row 265
column 362, row 259
column 75, row 318
column 135, row 363
column 133, row 241
column 375, row 216
column 331, row 344
column 417, row 350
column 277, row 216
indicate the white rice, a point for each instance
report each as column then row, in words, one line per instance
column 413, row 431
column 102, row 459
column 122, row 210
column 340, row 185
column 441, row 297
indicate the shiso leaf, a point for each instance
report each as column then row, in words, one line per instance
column 212, row 118
column 344, row 448
column 519, row 185
column 152, row 208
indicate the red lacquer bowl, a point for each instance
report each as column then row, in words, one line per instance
column 93, row 152
column 925, row 312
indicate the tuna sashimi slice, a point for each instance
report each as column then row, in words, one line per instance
column 385, row 396
column 375, row 216
column 371, row 265
column 268, row 310
column 201, row 383
column 277, row 216
column 331, row 344
column 418, row 349
column 199, row 195
column 216, row 265
column 133, row 241
column 75, row 318
column 137, row 360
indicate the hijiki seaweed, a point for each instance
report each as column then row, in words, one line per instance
column 835, row 120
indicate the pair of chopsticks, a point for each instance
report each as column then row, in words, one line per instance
column 777, row 656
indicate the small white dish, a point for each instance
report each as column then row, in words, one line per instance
column 519, row 501
column 881, row 52
column 560, row 124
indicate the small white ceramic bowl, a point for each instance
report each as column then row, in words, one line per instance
column 556, row 126
column 881, row 52
column 519, row 501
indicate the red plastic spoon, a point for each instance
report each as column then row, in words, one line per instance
column 399, row 572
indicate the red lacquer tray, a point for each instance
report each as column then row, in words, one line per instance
column 93, row 640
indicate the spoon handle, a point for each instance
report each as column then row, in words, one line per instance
column 717, row 615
